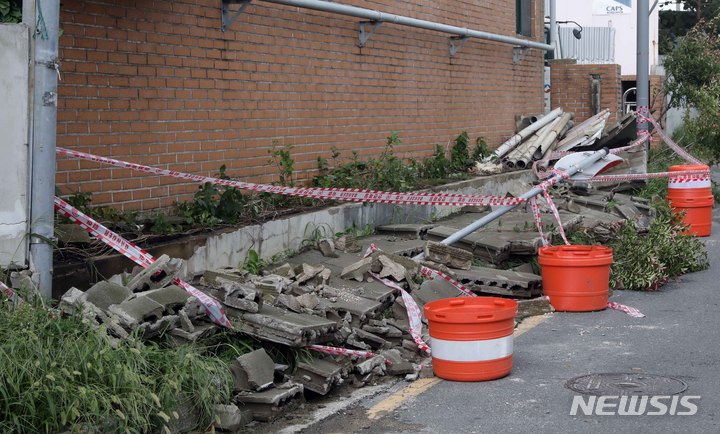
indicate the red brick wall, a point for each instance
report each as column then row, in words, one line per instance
column 571, row 88
column 159, row 83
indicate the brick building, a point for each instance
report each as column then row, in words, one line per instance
column 160, row 83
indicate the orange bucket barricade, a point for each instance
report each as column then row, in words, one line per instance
column 694, row 197
column 576, row 278
column 471, row 338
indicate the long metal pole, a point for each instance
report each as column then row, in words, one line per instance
column 44, row 126
column 553, row 25
column 372, row 15
column 643, row 55
column 583, row 164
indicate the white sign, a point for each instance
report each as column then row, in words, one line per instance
column 612, row 7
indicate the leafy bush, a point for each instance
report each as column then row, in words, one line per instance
column 645, row 261
column 61, row 374
column 10, row 11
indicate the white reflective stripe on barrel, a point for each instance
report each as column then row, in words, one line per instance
column 472, row 351
column 695, row 183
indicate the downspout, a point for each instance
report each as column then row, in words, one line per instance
column 553, row 26
column 43, row 136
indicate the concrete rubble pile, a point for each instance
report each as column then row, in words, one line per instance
column 333, row 296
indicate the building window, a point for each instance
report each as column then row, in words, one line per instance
column 523, row 17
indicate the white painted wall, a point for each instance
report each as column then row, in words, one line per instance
column 14, row 67
column 587, row 14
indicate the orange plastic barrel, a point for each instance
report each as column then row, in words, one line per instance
column 576, row 278
column 692, row 196
column 471, row 338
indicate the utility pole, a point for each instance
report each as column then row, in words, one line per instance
column 45, row 69
column 643, row 73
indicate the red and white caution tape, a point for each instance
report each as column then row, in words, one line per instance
column 340, row 194
column 633, row 312
column 213, row 308
column 336, row 351
column 677, row 177
column 10, row 294
column 548, row 200
column 627, row 309
column 646, row 117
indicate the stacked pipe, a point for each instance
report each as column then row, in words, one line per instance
column 539, row 144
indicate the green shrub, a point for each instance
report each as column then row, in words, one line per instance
column 61, row 374
column 645, row 261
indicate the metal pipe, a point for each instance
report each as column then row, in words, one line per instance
column 554, row 131
column 372, row 15
column 643, row 73
column 43, row 136
column 457, row 236
column 553, row 24
column 518, row 138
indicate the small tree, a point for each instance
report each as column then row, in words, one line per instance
column 693, row 80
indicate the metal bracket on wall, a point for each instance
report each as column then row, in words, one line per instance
column 364, row 34
column 228, row 16
column 518, row 53
column 456, row 43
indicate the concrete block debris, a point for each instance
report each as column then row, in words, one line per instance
column 157, row 275
column 271, row 403
column 453, row 257
column 318, row 375
column 253, row 371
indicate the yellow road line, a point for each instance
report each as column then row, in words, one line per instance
column 398, row 398
column 419, row 386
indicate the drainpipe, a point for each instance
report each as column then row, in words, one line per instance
column 43, row 135
column 377, row 16
column 553, row 25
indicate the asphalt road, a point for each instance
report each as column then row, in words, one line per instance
column 680, row 337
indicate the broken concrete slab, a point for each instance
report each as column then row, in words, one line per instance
column 368, row 365
column 453, row 257
column 358, row 270
column 327, row 247
column 287, row 328
column 318, row 375
column 361, row 309
column 270, row 404
column 229, row 273
column 137, row 310
column 391, row 268
column 501, row 282
column 160, row 326
column 271, row 285
column 396, row 364
column 372, row 340
column 172, row 297
column 230, row 417
column 104, row 294
column 71, row 302
column 242, row 296
column 182, row 336
column 157, row 275
column 434, row 289
column 313, row 275
column 253, row 371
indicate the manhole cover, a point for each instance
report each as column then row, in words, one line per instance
column 626, row 384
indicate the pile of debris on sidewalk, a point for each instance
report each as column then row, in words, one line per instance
column 333, row 296
column 541, row 137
